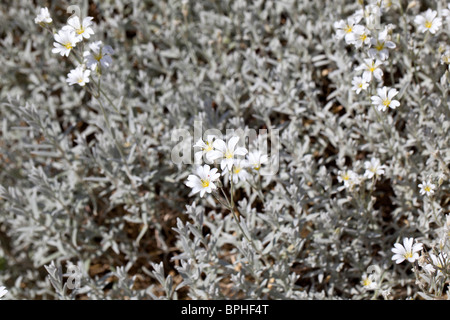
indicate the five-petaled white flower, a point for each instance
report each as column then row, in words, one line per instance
column 359, row 83
column 437, row 263
column 369, row 281
column 99, row 56
column 345, row 29
column 65, row 41
column 361, row 36
column 256, row 159
column 3, row 291
column 79, row 76
column 348, row 177
column 426, row 187
column 203, row 181
column 205, row 148
column 227, row 152
column 380, row 46
column 43, row 16
column 371, row 67
column 238, row 171
column 384, row 98
column 373, row 168
column 81, row 28
column 428, row 22
column 407, row 251
column 446, row 13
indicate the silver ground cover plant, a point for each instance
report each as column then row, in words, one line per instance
column 239, row 149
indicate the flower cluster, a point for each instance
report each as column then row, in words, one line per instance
column 363, row 31
column 67, row 39
column 230, row 159
column 373, row 170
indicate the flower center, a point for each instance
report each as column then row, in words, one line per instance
column 379, row 46
column 208, row 147
column 205, row 183
column 363, row 37
column 408, row 255
column 428, row 24
column 80, row 31
column 237, row 170
column 427, row 188
column 348, row 29
column 346, row 177
column 68, row 45
column 228, row 154
column 386, row 102
column 98, row 57
column 367, row 282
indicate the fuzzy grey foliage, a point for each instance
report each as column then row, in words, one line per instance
column 92, row 185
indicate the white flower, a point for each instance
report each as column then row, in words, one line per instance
column 369, row 282
column 361, row 36
column 203, row 182
column 65, row 40
column 371, row 14
column 373, row 168
column 43, row 16
column 380, row 46
column 3, row 291
column 78, row 76
column 384, row 99
column 437, row 262
column 428, row 22
column 384, row 4
column 81, row 28
column 359, row 83
column 371, row 67
column 205, row 148
column 226, row 152
column 348, row 177
column 426, row 187
column 345, row 28
column 239, row 172
column 445, row 58
column 446, row 13
column 99, row 56
column 256, row 159
column 406, row 252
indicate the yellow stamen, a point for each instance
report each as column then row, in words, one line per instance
column 348, row 29
column 367, row 282
column 379, row 46
column 386, row 102
column 428, row 24
column 205, row 183
column 427, row 188
column 68, row 45
column 80, row 31
column 228, row 155
column 208, row 147
column 408, row 255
